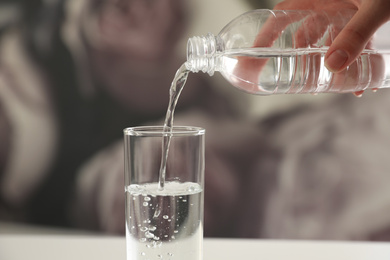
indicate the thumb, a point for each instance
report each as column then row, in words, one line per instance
column 352, row 40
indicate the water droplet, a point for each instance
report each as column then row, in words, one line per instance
column 165, row 217
column 142, row 240
column 152, row 228
column 145, row 204
column 156, row 238
column 176, row 231
column 173, row 237
column 143, row 253
column 159, row 256
column 147, row 199
column 169, row 220
column 170, row 254
column 184, row 200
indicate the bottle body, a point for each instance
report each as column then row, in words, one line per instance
column 273, row 52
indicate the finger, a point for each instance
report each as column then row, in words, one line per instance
column 354, row 37
column 311, row 33
column 246, row 73
column 274, row 25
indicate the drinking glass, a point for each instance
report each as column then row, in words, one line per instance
column 164, row 220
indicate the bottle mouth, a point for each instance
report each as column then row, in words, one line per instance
column 190, row 49
column 201, row 54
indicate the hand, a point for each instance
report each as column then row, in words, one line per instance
column 350, row 42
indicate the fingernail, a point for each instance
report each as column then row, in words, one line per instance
column 336, row 60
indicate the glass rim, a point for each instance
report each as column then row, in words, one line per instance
column 159, row 131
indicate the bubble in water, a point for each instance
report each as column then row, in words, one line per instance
column 143, row 229
column 149, row 234
column 145, row 204
column 157, row 212
column 154, row 244
column 191, row 189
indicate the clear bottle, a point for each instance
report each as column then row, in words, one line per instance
column 273, row 52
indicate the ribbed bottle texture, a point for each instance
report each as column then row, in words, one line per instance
column 201, row 54
column 273, row 52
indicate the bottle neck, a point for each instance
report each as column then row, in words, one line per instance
column 201, row 54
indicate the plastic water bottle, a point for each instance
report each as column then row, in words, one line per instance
column 272, row 52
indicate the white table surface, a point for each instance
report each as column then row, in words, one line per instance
column 74, row 247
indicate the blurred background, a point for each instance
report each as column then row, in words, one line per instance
column 74, row 73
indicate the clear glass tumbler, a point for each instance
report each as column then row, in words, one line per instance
column 164, row 221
